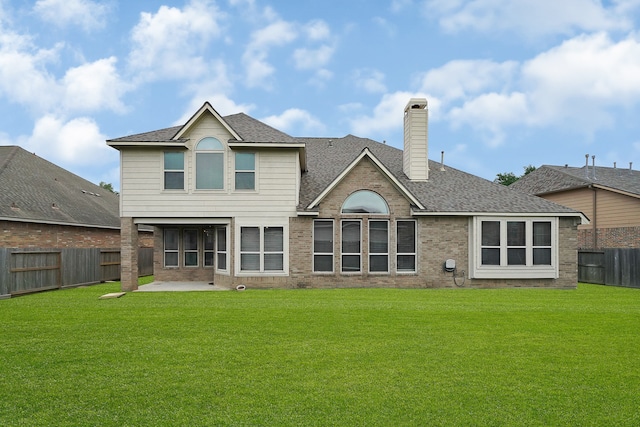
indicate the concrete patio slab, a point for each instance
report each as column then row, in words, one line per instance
column 180, row 287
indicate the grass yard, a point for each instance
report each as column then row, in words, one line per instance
column 322, row 357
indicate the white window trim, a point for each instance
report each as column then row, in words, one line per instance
column 262, row 271
column 351, row 273
column 184, row 173
column 504, row 271
column 226, row 251
column 194, row 160
column 164, row 248
column 387, row 254
column 415, row 247
column 332, row 253
column 255, row 174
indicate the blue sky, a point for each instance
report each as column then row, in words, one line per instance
column 509, row 82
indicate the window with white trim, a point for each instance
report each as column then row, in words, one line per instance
column 245, row 171
column 208, row 246
column 323, row 246
column 190, row 247
column 378, row 246
column 221, row 248
column 209, row 164
column 173, row 162
column 516, row 247
column 261, row 249
column 365, row 201
column 406, row 246
column 171, row 247
column 351, row 247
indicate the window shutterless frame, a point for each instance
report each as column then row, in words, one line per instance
column 323, row 259
column 406, row 246
column 379, row 246
column 351, row 246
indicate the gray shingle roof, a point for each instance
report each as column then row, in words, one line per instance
column 549, row 179
column 34, row 189
column 451, row 190
column 249, row 129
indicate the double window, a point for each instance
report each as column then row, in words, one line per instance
column 261, row 249
column 515, row 247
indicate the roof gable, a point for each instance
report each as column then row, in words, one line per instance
column 205, row 109
column 366, row 153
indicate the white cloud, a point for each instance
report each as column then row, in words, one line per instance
column 306, row 59
column 87, row 14
column 459, row 79
column 258, row 70
column 317, row 30
column 74, row 142
column 371, row 81
column 171, row 43
column 293, row 119
column 387, row 115
column 94, row 86
column 530, row 17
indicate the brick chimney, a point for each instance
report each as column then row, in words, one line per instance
column 416, row 140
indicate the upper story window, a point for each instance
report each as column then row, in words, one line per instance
column 365, row 201
column 245, row 171
column 173, row 170
column 209, row 164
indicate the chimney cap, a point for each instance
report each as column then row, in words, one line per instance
column 416, row 104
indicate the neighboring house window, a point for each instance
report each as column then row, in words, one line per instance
column 208, row 237
column 190, row 245
column 209, row 164
column 261, row 249
column 406, row 246
column 323, row 246
column 221, row 248
column 378, row 246
column 351, row 247
column 173, row 170
column 245, row 171
column 516, row 248
column 365, row 201
column 171, row 247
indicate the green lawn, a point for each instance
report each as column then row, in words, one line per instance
column 322, row 357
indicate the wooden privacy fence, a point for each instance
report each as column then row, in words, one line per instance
column 616, row 267
column 32, row 270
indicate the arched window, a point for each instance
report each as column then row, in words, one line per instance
column 365, row 201
column 209, row 164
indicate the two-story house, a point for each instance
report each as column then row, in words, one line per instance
column 237, row 202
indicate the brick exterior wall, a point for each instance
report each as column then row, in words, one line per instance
column 439, row 238
column 620, row 237
column 24, row 235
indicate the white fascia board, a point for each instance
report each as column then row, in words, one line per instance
column 306, row 213
column 163, row 144
column 582, row 217
column 180, row 221
column 406, row 193
column 206, row 107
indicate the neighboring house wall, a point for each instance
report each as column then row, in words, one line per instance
column 33, row 235
column 616, row 218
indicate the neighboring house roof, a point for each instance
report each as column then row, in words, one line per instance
column 36, row 190
column 551, row 179
column 450, row 191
